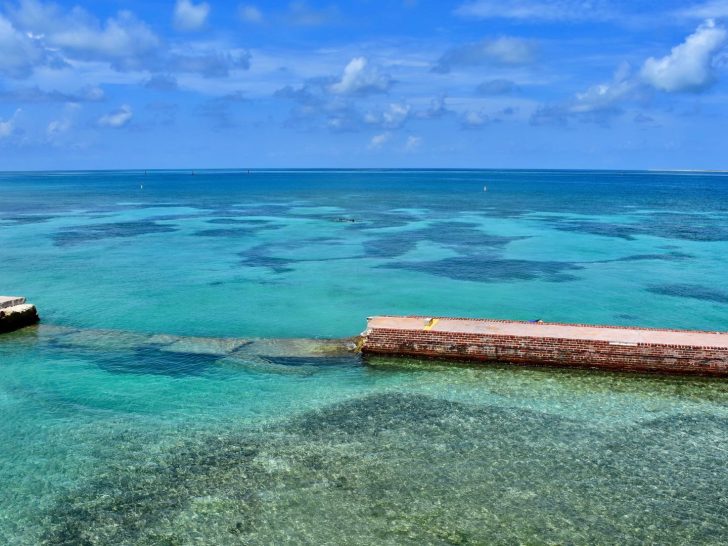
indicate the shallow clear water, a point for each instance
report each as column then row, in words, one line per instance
column 164, row 399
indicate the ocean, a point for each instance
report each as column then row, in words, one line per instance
column 180, row 388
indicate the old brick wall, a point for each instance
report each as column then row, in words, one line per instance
column 548, row 351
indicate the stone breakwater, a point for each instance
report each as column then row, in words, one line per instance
column 16, row 313
column 550, row 344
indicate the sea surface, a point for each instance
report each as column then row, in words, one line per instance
column 182, row 387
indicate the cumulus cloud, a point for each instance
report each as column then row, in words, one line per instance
column 250, row 14
column 190, row 16
column 413, row 143
column 361, row 79
column 314, row 103
column 501, row 51
column 37, row 33
column 161, row 82
column 437, row 109
column 496, row 87
column 548, row 10
column 208, row 63
column 340, row 118
column 123, row 40
column 57, row 127
column 392, row 118
column 689, row 66
column 90, row 93
column 605, row 96
column 597, row 104
column 305, row 94
column 380, row 140
column 475, row 118
column 7, row 126
column 118, row 118
column 19, row 52
column 222, row 110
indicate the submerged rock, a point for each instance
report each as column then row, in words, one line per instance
column 262, row 365
column 212, row 346
column 105, row 340
column 16, row 314
column 295, row 356
column 300, row 347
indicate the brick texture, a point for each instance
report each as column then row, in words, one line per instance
column 547, row 351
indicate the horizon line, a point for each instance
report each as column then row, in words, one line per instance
column 363, row 169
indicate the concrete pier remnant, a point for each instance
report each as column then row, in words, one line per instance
column 550, row 344
column 15, row 313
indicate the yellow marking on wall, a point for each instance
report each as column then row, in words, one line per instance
column 431, row 324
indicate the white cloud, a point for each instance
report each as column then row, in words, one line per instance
column 605, row 96
column 689, row 66
column 118, row 118
column 437, row 109
column 123, row 40
column 7, row 126
column 380, row 140
column 506, row 51
column 706, row 10
column 392, row 118
column 549, row 10
column 250, row 14
column 599, row 104
column 59, row 132
column 413, row 143
column 498, row 86
column 44, row 33
column 473, row 119
column 162, row 82
column 92, row 93
column 57, row 127
column 209, row 63
column 19, row 52
column 360, row 79
column 190, row 16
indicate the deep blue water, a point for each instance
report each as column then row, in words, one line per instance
column 178, row 391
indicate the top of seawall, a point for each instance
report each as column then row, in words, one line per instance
column 522, row 329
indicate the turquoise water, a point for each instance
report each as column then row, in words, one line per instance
column 180, row 389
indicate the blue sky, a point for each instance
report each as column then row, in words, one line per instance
column 363, row 83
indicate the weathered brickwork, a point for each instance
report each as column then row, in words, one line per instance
column 560, row 351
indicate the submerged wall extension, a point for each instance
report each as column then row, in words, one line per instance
column 550, row 344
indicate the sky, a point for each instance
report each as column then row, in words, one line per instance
column 147, row 84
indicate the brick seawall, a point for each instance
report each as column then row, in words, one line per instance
column 550, row 344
